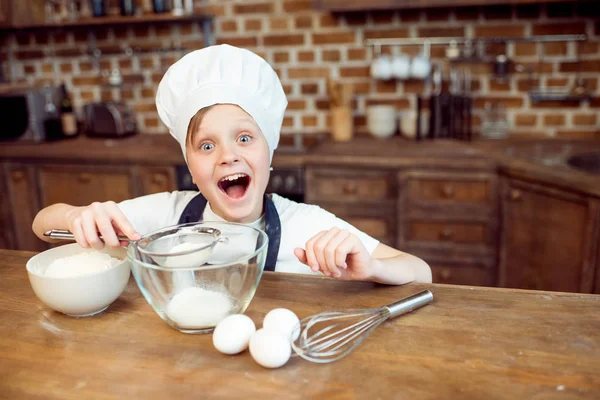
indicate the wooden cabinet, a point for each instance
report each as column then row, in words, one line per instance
column 5, row 20
column 358, row 5
column 462, row 274
column 549, row 238
column 22, row 197
column 31, row 187
column 157, row 179
column 82, row 185
column 19, row 13
column 365, row 198
column 449, row 218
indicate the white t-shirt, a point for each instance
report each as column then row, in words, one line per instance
column 299, row 222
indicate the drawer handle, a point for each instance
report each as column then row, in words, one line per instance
column 17, row 176
column 448, row 191
column 515, row 195
column 446, row 234
column 85, row 178
column 446, row 274
column 350, row 188
column 159, row 179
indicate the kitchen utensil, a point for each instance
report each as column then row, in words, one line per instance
column 501, row 68
column 80, row 295
column 329, row 336
column 109, row 119
column 200, row 241
column 381, row 120
column 381, row 68
column 194, row 298
column 435, row 116
column 420, row 67
column 342, row 124
column 401, row 66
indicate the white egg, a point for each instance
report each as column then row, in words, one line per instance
column 284, row 321
column 232, row 334
column 270, row 348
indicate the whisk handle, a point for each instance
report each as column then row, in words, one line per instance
column 410, row 303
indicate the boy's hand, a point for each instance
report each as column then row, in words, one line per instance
column 337, row 253
column 100, row 219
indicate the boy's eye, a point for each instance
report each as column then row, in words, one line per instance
column 244, row 138
column 206, row 146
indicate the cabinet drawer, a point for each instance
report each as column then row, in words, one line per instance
column 449, row 190
column 454, row 232
column 462, row 275
column 380, row 226
column 81, row 186
column 345, row 186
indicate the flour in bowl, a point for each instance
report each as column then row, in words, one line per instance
column 195, row 308
column 86, row 262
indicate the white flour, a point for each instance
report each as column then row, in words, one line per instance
column 87, row 262
column 195, row 308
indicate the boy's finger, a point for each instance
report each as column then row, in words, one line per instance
column 122, row 223
column 90, row 230
column 301, row 255
column 334, row 260
column 79, row 235
column 310, row 252
column 321, row 246
column 107, row 231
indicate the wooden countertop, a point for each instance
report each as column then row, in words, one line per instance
column 471, row 342
column 513, row 156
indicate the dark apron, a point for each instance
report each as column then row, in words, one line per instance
column 194, row 211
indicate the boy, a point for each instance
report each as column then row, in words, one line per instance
column 225, row 107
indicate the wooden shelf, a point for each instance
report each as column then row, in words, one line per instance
column 115, row 20
column 364, row 5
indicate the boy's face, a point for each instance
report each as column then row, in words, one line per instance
column 229, row 161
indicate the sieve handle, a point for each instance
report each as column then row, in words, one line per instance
column 410, row 303
column 68, row 235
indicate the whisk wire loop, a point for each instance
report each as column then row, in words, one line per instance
column 329, row 336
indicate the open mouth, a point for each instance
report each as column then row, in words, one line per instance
column 235, row 185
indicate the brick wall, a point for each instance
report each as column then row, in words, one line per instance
column 305, row 47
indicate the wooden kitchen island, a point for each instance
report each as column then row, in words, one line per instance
column 470, row 343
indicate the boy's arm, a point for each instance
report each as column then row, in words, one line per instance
column 52, row 217
column 392, row 266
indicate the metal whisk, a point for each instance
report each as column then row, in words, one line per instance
column 329, row 336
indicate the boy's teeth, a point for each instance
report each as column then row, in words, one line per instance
column 233, row 177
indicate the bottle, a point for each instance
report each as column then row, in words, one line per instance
column 52, row 123
column 67, row 116
column 98, row 8
column 127, row 7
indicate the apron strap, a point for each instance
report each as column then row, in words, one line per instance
column 194, row 211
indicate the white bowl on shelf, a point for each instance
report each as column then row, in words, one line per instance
column 382, row 120
column 81, row 295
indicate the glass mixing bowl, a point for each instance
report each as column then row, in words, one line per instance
column 196, row 274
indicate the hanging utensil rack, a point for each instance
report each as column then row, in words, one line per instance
column 535, row 94
column 463, row 40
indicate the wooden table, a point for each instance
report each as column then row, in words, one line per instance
column 479, row 343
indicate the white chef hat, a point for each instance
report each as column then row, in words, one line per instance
column 221, row 74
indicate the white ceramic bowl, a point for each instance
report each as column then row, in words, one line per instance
column 82, row 295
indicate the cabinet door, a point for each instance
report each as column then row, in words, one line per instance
column 547, row 239
column 157, row 179
column 22, row 196
column 82, row 185
column 7, row 233
column 5, row 20
column 462, row 274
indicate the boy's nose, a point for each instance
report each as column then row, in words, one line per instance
column 229, row 155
